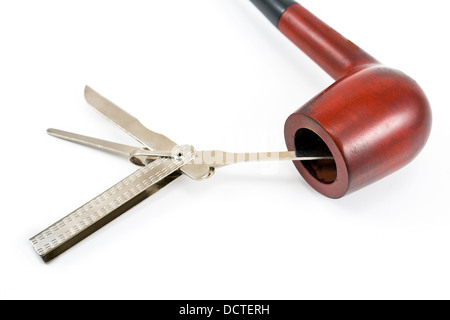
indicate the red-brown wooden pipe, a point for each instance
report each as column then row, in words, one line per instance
column 374, row 120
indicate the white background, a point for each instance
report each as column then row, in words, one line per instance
column 215, row 74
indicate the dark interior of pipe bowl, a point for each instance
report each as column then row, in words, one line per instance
column 309, row 144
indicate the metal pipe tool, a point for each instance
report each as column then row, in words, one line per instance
column 162, row 161
column 370, row 123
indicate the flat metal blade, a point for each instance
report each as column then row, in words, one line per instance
column 108, row 146
column 149, row 138
column 217, row 158
column 128, row 123
column 81, row 223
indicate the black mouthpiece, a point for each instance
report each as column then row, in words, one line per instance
column 273, row 9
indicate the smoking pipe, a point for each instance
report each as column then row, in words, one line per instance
column 373, row 120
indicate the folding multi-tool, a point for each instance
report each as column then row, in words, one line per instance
column 371, row 122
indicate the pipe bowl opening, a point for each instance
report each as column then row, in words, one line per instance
column 308, row 143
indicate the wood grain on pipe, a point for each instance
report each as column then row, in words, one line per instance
column 373, row 119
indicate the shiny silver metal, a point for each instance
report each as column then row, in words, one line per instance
column 149, row 138
column 111, row 147
column 218, row 159
column 79, row 224
column 163, row 161
column 108, row 146
column 213, row 158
